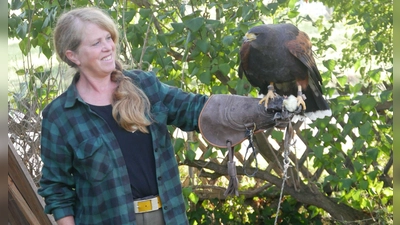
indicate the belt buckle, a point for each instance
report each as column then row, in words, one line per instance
column 147, row 205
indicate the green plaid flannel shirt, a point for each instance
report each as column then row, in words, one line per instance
column 84, row 172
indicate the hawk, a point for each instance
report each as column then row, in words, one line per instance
column 277, row 58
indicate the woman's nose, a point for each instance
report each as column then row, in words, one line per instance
column 107, row 45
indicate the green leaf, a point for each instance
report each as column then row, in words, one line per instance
column 202, row 45
column 242, row 87
column 109, row 2
column 292, row 4
column 162, row 39
column 42, row 40
column 277, row 135
column 329, row 64
column 372, row 175
column 354, row 89
column 179, row 144
column 227, row 40
column 358, row 144
column 386, row 95
column 190, row 154
column 326, row 76
column 327, row 137
column 342, row 172
column 128, row 16
column 342, row 80
column 24, row 47
column 346, row 129
column 22, row 29
column 186, row 191
column 318, row 151
column 352, row 22
column 205, row 77
column 375, row 75
column 246, row 9
column 345, row 183
column 212, row 24
column 16, row 4
column 208, row 153
column 355, row 117
column 356, row 195
column 178, row 27
column 357, row 64
column 293, row 14
column 194, row 24
column 272, row 7
column 193, row 198
column 46, row 22
column 368, row 103
column 358, row 166
column 372, row 155
column 332, row 46
column 224, row 68
column 20, row 72
column 12, row 23
column 365, row 129
column 379, row 46
column 47, row 51
column 144, row 13
column 364, row 185
column 364, row 41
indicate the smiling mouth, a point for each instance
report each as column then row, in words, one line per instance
column 106, row 58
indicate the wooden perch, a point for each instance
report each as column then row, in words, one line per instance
column 25, row 206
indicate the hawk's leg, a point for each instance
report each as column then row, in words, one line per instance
column 270, row 95
column 300, row 98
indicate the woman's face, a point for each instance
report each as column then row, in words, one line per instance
column 95, row 56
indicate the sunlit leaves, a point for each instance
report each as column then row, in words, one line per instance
column 195, row 45
column 189, row 194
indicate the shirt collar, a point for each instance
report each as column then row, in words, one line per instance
column 72, row 93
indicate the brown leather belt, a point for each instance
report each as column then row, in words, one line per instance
column 147, row 205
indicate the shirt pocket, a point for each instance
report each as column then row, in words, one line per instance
column 92, row 159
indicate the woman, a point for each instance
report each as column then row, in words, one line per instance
column 107, row 155
column 105, row 140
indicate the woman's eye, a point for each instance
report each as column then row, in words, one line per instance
column 96, row 43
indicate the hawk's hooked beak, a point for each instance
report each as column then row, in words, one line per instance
column 249, row 37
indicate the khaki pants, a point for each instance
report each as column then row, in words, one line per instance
column 150, row 218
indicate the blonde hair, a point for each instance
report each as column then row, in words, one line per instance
column 131, row 107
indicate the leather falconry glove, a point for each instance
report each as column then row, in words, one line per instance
column 230, row 118
column 227, row 120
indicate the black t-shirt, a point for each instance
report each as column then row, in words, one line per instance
column 137, row 149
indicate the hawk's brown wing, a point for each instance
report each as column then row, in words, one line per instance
column 301, row 48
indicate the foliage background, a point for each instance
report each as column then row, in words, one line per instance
column 194, row 45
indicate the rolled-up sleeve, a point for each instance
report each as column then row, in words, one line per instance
column 183, row 107
column 57, row 183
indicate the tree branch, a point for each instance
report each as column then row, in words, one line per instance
column 307, row 194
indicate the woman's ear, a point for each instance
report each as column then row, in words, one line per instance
column 72, row 57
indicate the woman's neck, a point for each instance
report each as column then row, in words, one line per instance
column 96, row 91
